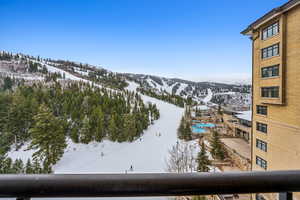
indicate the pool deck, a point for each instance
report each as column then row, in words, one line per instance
column 239, row 145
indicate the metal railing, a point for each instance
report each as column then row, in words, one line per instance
column 148, row 184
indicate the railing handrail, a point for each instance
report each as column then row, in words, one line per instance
column 148, row 184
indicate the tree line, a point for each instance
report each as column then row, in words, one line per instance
column 170, row 98
column 8, row 166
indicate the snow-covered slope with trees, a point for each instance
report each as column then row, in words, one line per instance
column 107, row 156
column 148, row 154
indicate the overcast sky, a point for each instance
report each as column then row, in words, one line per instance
column 191, row 39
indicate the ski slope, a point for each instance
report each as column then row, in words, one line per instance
column 147, row 154
column 208, row 96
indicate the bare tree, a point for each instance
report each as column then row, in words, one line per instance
column 181, row 158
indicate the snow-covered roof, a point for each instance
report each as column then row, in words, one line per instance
column 202, row 107
column 246, row 115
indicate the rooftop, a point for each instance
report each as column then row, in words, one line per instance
column 273, row 13
column 246, row 115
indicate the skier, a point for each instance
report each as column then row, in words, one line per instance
column 131, row 168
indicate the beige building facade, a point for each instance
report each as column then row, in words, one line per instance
column 276, row 88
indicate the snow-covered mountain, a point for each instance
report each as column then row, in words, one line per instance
column 184, row 88
column 32, row 68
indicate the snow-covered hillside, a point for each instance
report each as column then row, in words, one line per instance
column 113, row 157
column 147, row 154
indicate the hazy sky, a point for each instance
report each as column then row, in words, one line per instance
column 191, row 39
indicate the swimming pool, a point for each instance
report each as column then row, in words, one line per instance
column 199, row 127
column 196, row 129
column 208, row 125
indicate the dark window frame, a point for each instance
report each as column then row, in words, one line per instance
column 270, row 92
column 262, row 110
column 270, row 31
column 270, row 71
column 270, row 51
column 262, row 145
column 261, row 162
column 262, row 127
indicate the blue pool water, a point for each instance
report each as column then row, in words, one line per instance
column 196, row 129
column 199, row 127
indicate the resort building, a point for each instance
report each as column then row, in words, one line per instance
column 276, row 88
column 238, row 124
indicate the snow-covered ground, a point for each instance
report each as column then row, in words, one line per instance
column 60, row 71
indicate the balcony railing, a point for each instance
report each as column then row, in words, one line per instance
column 133, row 185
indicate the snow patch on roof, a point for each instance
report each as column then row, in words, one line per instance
column 246, row 115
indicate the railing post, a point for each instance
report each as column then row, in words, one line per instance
column 286, row 196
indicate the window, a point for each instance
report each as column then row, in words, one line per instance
column 270, row 51
column 261, row 145
column 270, row 92
column 261, row 127
column 262, row 110
column 270, row 31
column 270, row 71
column 261, row 162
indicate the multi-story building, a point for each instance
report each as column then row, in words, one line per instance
column 276, row 88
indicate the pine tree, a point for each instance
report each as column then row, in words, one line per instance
column 217, row 150
column 48, row 137
column 181, row 129
column 7, row 166
column 188, row 131
column 202, row 160
column 85, row 131
column 97, row 123
column 8, row 83
column 29, row 168
column 112, row 129
column 37, row 169
column 130, row 130
column 18, row 166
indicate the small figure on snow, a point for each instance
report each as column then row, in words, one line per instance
column 131, row 168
